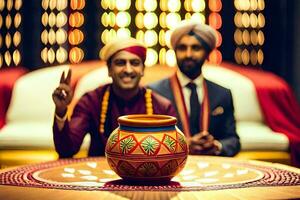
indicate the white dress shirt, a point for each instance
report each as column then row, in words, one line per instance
column 183, row 81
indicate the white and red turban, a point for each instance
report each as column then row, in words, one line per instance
column 205, row 34
column 123, row 44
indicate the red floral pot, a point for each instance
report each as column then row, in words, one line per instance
column 146, row 148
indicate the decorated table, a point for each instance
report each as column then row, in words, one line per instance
column 203, row 177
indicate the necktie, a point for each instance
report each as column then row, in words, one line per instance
column 194, row 109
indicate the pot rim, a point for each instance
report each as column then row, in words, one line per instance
column 144, row 120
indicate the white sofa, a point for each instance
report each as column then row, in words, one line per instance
column 254, row 133
column 30, row 114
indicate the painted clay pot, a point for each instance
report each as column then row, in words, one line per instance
column 146, row 148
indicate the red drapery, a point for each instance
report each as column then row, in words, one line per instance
column 8, row 77
column 279, row 105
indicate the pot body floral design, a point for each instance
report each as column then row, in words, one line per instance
column 146, row 148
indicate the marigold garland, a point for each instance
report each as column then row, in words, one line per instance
column 104, row 107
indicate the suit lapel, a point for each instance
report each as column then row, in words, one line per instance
column 212, row 97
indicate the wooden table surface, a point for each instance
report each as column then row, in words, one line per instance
column 260, row 192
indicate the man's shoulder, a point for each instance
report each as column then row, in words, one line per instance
column 162, row 104
column 218, row 92
column 159, row 98
column 161, row 85
column 216, row 87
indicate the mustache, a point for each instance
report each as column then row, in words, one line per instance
column 188, row 60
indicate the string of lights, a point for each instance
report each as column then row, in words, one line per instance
column 10, row 36
column 64, row 35
column 249, row 36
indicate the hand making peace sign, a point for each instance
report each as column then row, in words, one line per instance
column 63, row 94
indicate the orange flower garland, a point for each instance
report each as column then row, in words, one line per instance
column 104, row 107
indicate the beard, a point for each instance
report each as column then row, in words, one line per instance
column 190, row 67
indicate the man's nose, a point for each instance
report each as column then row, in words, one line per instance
column 128, row 67
column 189, row 52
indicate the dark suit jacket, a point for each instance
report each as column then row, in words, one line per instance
column 222, row 125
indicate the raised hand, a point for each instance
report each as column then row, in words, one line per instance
column 63, row 94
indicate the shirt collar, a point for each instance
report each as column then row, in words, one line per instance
column 184, row 80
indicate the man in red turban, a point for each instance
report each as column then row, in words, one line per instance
column 97, row 111
column 204, row 109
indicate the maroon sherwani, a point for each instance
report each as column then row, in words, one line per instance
column 86, row 119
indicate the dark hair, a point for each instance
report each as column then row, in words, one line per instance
column 109, row 61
